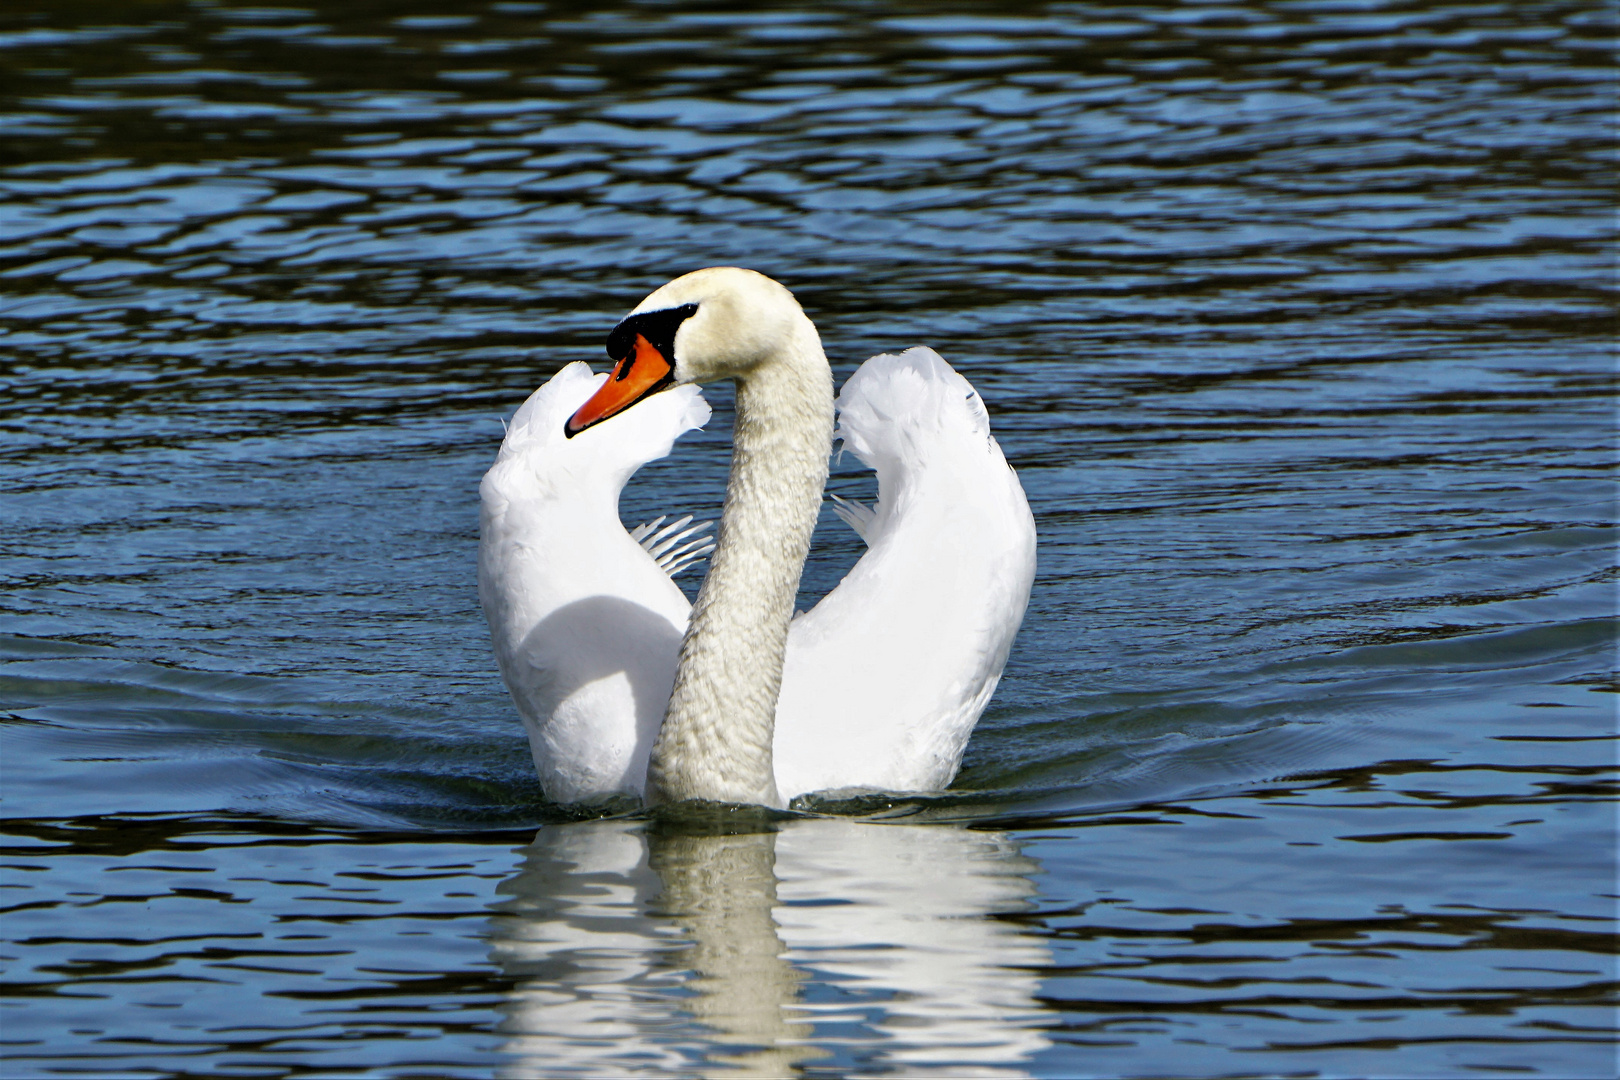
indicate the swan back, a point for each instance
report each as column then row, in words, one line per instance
column 886, row 677
column 585, row 622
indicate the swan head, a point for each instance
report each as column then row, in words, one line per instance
column 717, row 323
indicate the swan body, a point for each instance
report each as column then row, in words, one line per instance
column 625, row 690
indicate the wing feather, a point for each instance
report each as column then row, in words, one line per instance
column 857, row 515
column 886, row 677
column 585, row 621
column 677, row 546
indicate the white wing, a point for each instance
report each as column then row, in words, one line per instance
column 586, row 623
column 886, row 677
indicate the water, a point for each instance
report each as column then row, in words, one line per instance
column 1295, row 318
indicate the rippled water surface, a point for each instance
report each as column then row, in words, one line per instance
column 1295, row 318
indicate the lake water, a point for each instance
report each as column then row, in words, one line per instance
column 1295, row 318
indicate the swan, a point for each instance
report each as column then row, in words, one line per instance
column 625, row 689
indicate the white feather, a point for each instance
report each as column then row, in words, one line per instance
column 886, row 677
column 585, row 622
column 675, row 546
column 856, row 515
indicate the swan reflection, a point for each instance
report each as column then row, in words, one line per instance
column 637, row 949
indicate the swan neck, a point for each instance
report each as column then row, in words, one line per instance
column 715, row 742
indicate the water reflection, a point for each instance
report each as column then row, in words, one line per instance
column 638, row 948
column 721, row 890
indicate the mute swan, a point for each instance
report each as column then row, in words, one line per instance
column 624, row 689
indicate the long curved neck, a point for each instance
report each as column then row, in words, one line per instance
column 715, row 742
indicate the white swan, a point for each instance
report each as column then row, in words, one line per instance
column 623, row 690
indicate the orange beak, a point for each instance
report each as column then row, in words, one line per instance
column 642, row 372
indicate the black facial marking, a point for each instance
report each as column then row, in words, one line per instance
column 658, row 327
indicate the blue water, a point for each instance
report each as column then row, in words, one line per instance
column 1295, row 318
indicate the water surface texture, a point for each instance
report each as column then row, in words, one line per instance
column 1295, row 318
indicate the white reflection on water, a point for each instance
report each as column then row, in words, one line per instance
column 640, row 951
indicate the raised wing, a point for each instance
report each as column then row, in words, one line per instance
column 586, row 622
column 886, row 677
